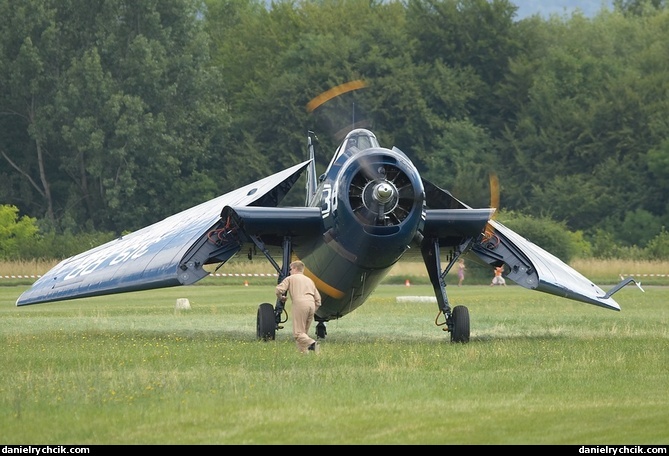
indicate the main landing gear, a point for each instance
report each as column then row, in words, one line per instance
column 457, row 319
column 266, row 322
column 459, row 324
column 270, row 318
column 321, row 330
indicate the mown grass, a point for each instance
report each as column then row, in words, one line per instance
column 131, row 369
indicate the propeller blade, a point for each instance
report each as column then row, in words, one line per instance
column 494, row 191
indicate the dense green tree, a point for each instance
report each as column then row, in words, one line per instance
column 658, row 247
column 118, row 106
column 28, row 81
column 466, row 47
column 578, row 145
column 638, row 228
column 15, row 232
column 658, row 164
column 117, row 113
column 545, row 232
column 639, row 7
column 476, row 35
column 302, row 51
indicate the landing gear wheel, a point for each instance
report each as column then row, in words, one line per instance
column 460, row 316
column 266, row 324
column 321, row 330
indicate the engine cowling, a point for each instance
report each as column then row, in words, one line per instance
column 381, row 205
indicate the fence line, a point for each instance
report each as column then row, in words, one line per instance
column 242, row 274
column 643, row 275
column 210, row 275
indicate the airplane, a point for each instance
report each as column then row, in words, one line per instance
column 369, row 209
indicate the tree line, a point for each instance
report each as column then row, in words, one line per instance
column 115, row 114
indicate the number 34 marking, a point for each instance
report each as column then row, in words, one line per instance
column 329, row 204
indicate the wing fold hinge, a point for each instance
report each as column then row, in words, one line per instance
column 217, row 245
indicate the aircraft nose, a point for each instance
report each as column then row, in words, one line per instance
column 382, row 190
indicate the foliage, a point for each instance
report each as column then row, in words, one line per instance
column 546, row 233
column 54, row 246
column 116, row 105
column 119, row 115
column 21, row 239
column 578, row 145
column 658, row 247
column 604, row 246
column 638, row 228
column 580, row 247
column 16, row 233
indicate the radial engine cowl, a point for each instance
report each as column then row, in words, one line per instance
column 383, row 189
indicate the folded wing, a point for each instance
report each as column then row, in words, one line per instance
column 533, row 267
column 158, row 256
column 527, row 264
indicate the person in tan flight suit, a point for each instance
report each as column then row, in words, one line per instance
column 306, row 300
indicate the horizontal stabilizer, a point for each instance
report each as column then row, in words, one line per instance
column 622, row 284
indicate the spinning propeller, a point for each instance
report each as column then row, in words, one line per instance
column 381, row 194
column 490, row 239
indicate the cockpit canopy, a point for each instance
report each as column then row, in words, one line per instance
column 356, row 141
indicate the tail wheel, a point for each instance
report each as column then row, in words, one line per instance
column 266, row 323
column 321, row 330
column 460, row 332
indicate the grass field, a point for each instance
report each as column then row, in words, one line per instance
column 131, row 369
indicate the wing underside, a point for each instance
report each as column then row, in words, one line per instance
column 156, row 256
column 527, row 264
column 534, row 268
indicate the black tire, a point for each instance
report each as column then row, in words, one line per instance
column 460, row 333
column 266, row 324
column 321, row 330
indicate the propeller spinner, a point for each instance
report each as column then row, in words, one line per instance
column 383, row 196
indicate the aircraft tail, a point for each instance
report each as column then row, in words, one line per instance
column 311, row 169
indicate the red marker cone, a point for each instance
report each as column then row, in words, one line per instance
column 246, row 283
column 407, row 283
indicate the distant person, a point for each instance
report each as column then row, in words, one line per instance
column 461, row 271
column 306, row 300
column 498, row 279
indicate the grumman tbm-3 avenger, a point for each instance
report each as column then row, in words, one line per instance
column 370, row 209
